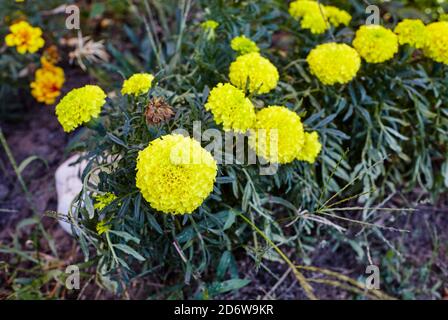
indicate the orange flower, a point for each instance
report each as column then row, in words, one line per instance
column 47, row 84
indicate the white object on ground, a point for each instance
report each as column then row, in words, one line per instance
column 68, row 186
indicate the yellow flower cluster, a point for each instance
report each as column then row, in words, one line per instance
column 243, row 45
column 437, row 42
column 277, row 135
column 209, row 25
column 375, row 43
column 334, row 63
column 137, row 84
column 24, row 37
column 253, row 71
column 102, row 227
column 79, row 106
column 231, row 108
column 311, row 148
column 412, row 32
column 337, row 16
column 103, row 200
column 317, row 17
column 175, row 174
column 48, row 82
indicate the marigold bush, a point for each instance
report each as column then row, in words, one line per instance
column 335, row 123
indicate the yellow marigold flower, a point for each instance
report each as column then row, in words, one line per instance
column 209, row 25
column 334, row 63
column 102, row 227
column 24, row 37
column 311, row 148
column 317, row 17
column 79, row 106
column 103, row 200
column 243, row 45
column 311, row 15
column 138, row 84
column 300, row 8
column 315, row 22
column 47, row 84
column 277, row 135
column 412, row 32
column 231, row 108
column 260, row 72
column 337, row 16
column 175, row 174
column 375, row 43
column 437, row 42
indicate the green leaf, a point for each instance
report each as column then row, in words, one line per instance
column 127, row 249
column 224, row 263
column 226, row 286
column 117, row 140
column 126, row 236
column 230, row 220
column 89, row 205
column 153, row 222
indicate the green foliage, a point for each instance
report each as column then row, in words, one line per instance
column 384, row 133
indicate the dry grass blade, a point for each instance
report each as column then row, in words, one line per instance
column 353, row 283
column 299, row 276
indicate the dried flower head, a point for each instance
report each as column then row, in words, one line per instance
column 86, row 49
column 157, row 111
